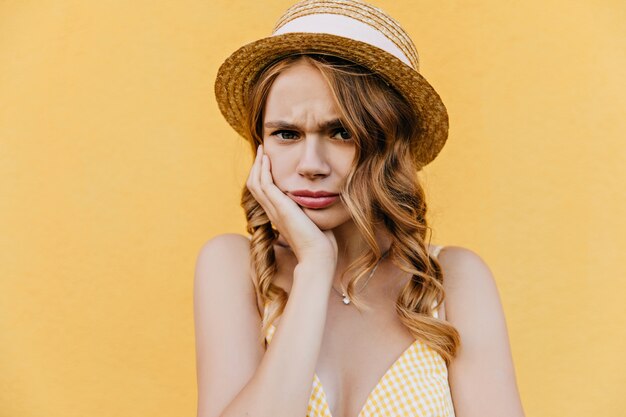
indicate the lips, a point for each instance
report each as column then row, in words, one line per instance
column 313, row 199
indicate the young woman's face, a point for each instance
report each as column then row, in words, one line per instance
column 307, row 146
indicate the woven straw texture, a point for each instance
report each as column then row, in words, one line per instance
column 362, row 12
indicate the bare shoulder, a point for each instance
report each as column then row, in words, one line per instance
column 234, row 247
column 223, row 264
column 228, row 240
column 463, row 266
column 227, row 323
column 473, row 306
column 471, row 291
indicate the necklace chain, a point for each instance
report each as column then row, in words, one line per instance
column 346, row 300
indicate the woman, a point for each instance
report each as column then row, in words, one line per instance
column 334, row 305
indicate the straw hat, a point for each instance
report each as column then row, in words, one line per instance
column 352, row 30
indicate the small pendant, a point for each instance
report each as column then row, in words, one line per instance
column 346, row 300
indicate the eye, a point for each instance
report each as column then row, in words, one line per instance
column 345, row 137
column 278, row 133
column 342, row 130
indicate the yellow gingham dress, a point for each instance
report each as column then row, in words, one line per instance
column 416, row 385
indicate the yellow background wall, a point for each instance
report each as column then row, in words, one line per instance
column 116, row 166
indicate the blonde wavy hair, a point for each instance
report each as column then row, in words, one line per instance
column 382, row 189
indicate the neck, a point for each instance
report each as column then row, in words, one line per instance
column 351, row 245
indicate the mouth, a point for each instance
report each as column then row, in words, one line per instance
column 314, row 202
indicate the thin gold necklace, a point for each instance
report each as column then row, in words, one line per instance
column 346, row 300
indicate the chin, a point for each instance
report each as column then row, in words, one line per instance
column 326, row 219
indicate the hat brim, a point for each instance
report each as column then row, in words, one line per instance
column 240, row 69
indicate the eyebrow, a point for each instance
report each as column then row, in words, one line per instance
column 324, row 126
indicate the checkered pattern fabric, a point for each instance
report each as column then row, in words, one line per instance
column 416, row 385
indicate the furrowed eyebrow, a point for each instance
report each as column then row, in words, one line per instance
column 325, row 126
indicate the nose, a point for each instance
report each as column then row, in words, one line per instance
column 313, row 159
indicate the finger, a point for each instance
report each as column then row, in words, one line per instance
column 267, row 187
column 256, row 188
column 277, row 198
column 251, row 174
column 254, row 183
column 278, row 202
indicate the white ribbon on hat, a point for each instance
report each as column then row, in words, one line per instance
column 345, row 26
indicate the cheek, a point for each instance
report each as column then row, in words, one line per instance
column 347, row 159
column 279, row 171
column 345, row 170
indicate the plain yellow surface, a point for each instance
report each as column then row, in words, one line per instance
column 116, row 166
